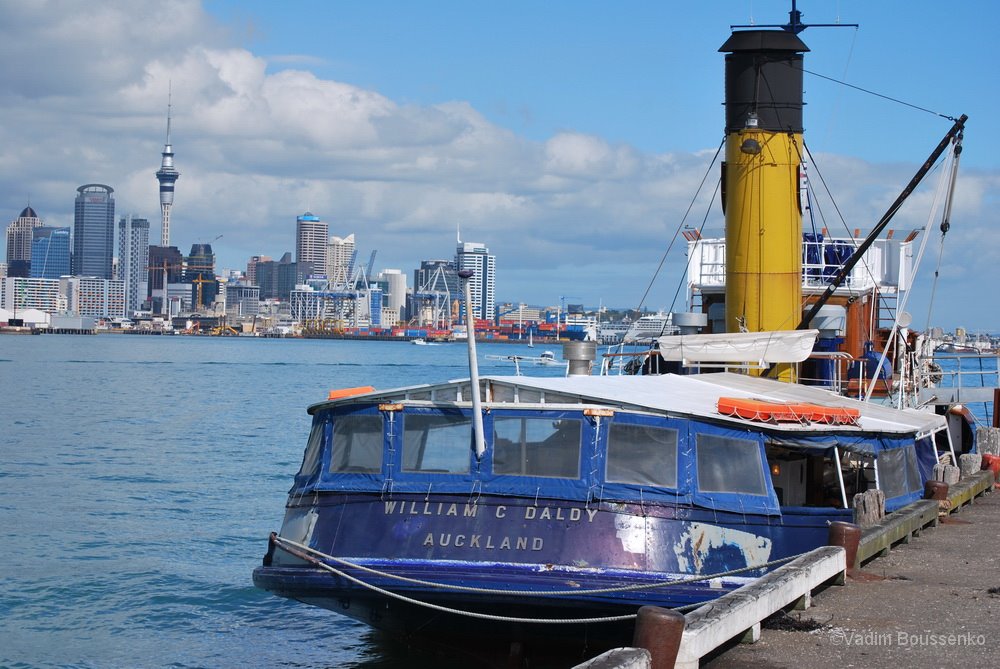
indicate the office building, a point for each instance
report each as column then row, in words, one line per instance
column 242, row 300
column 476, row 257
column 393, row 285
column 278, row 279
column 166, row 265
column 133, row 260
column 341, row 253
column 19, row 237
column 94, row 231
column 199, row 271
column 310, row 244
column 21, row 293
column 50, row 252
column 252, row 268
column 94, row 296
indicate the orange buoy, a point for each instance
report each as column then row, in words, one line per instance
column 349, row 392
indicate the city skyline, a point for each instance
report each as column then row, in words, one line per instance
column 572, row 144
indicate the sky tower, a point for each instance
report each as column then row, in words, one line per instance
column 166, row 175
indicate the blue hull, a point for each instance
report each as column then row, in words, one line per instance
column 514, row 544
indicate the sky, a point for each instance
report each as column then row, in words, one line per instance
column 569, row 137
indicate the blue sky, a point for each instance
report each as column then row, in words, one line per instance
column 569, row 137
column 645, row 73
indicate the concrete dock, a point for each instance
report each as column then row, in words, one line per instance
column 932, row 602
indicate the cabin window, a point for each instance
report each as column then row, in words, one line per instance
column 897, row 471
column 435, row 443
column 536, row 447
column 314, row 447
column 642, row 454
column 357, row 444
column 730, row 465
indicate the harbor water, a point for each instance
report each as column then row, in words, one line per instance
column 140, row 477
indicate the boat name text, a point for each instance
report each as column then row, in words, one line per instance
column 571, row 514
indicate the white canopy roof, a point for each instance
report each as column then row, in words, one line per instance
column 697, row 395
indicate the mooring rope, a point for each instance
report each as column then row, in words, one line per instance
column 314, row 556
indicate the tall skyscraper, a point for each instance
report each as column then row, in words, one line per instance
column 475, row 256
column 340, row 250
column 133, row 260
column 94, row 231
column 50, row 255
column 19, row 236
column 166, row 175
column 310, row 244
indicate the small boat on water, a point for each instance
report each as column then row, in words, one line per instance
column 519, row 509
column 547, row 358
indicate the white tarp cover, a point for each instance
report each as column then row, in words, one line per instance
column 769, row 347
column 697, row 395
column 692, row 395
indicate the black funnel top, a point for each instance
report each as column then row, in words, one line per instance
column 764, row 78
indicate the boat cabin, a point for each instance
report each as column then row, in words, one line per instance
column 659, row 440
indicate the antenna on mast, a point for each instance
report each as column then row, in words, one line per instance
column 170, row 85
column 795, row 25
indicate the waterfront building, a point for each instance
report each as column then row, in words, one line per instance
column 278, row 279
column 167, row 175
column 392, row 282
column 252, row 268
column 94, row 296
column 94, row 231
column 341, row 253
column 50, row 252
column 20, row 293
column 199, row 271
column 19, row 238
column 476, row 257
column 133, row 260
column 242, row 300
column 307, row 304
column 310, row 244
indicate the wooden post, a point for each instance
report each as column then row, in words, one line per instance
column 936, row 490
column 659, row 631
column 848, row 537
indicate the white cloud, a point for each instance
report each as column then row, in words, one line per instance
column 84, row 100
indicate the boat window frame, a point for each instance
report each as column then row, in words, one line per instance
column 349, row 412
column 764, row 503
column 539, row 415
column 400, row 439
column 655, row 422
column 302, row 480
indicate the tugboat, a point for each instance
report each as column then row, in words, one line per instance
column 514, row 509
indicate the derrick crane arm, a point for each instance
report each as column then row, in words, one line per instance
column 955, row 133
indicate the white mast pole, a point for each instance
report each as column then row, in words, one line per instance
column 477, row 410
